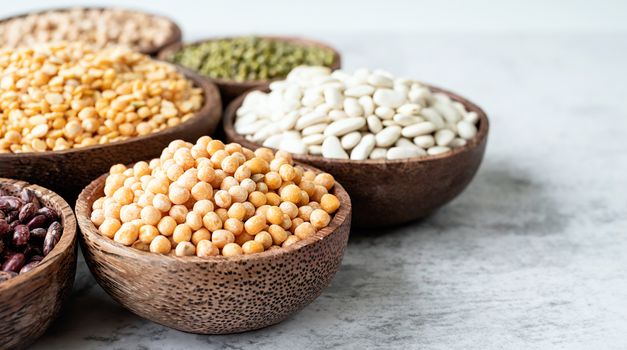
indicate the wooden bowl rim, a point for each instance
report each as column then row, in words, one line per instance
column 484, row 126
column 166, row 53
column 67, row 237
column 90, row 232
column 174, row 37
column 211, row 108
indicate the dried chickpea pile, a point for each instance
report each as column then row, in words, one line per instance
column 210, row 199
column 62, row 96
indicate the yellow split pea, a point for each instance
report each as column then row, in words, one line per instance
column 209, row 199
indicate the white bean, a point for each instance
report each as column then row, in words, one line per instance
column 314, row 129
column 331, row 148
column 374, row 124
column 310, row 119
column 432, row 151
column 388, row 136
column 409, row 109
column 333, row 97
column 352, row 107
column 350, row 140
column 466, row 130
column 457, row 143
column 314, row 139
column 359, row 91
column 380, row 80
column 384, row 112
column 378, row 153
column 293, row 146
column 472, row 117
column 367, row 104
column 424, row 141
column 405, row 152
column 344, row 126
column 388, row 98
column 363, row 148
column 422, row 128
column 443, row 137
column 406, row 120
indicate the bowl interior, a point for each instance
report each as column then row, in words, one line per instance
column 167, row 52
column 95, row 190
column 482, row 132
column 53, row 200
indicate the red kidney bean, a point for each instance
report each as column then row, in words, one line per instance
column 37, row 221
column 27, row 212
column 28, row 196
column 8, row 203
column 48, row 213
column 52, row 237
column 4, row 227
column 29, row 266
column 38, row 233
column 21, row 235
column 14, row 262
column 36, row 258
column 13, row 216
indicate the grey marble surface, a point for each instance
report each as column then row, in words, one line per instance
column 532, row 255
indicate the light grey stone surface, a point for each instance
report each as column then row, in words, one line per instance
column 532, row 255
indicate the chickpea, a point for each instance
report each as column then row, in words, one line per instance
column 147, row 233
column 304, row 230
column 98, row 203
column 212, row 221
column 279, row 235
column 325, row 180
column 257, row 198
column 290, row 240
column 264, row 238
column 262, row 187
column 203, row 206
column 255, row 224
column 129, row 212
column 287, row 172
column 162, row 202
column 109, row 227
column 242, row 173
column 194, row 220
column 237, row 211
column 295, row 223
column 250, row 210
column 318, row 193
column 174, row 171
column 243, row 238
column 234, row 225
column 248, row 184
column 185, row 249
column 291, row 193
column 177, row 194
column 202, row 190
column 139, row 245
column 150, row 215
column 229, row 164
column 273, row 180
column 222, row 213
column 304, row 212
column 206, row 248
column 206, row 172
column 112, row 210
column 222, row 199
column 273, row 198
column 274, row 215
column 123, row 196
column 329, row 203
column 145, row 199
column 161, row 245
column 182, row 233
column 200, row 235
column 319, row 218
column 290, row 209
column 257, row 165
column 179, row 213
column 232, row 249
column 166, row 226
column 222, row 237
column 127, row 234
column 213, row 146
column 97, row 217
column 158, row 186
column 252, row 247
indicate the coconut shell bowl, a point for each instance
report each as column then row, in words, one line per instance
column 392, row 192
column 68, row 171
column 30, row 301
column 215, row 295
column 230, row 89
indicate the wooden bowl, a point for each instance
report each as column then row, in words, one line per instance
column 31, row 301
column 174, row 37
column 67, row 172
column 230, row 89
column 216, row 295
column 391, row 192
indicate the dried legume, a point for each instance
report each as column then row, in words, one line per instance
column 364, row 115
column 250, row 58
column 62, row 96
column 98, row 27
column 272, row 203
column 28, row 232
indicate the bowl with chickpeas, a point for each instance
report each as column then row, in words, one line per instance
column 77, row 109
column 214, row 238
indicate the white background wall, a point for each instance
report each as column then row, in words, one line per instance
column 323, row 17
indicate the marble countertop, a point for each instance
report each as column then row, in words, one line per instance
column 531, row 255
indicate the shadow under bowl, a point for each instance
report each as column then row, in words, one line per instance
column 392, row 192
column 216, row 295
column 31, row 301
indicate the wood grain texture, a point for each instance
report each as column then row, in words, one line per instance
column 230, row 89
column 216, row 295
column 29, row 302
column 174, row 37
column 391, row 192
column 67, row 172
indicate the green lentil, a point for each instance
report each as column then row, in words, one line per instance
column 250, row 58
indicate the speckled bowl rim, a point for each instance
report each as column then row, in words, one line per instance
column 90, row 232
column 67, row 237
column 482, row 133
column 174, row 37
column 211, row 106
column 167, row 52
